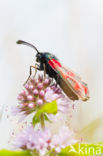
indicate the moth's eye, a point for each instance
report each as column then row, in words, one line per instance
column 38, row 57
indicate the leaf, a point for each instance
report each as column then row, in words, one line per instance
column 14, row 153
column 36, row 119
column 49, row 108
column 46, row 117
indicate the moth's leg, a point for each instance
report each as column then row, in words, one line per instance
column 52, row 80
column 44, row 67
column 31, row 72
column 37, row 67
column 57, row 80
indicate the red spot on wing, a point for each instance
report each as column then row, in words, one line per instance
column 77, row 87
column 70, row 74
column 85, row 89
column 54, row 63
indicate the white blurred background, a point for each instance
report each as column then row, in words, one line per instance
column 70, row 29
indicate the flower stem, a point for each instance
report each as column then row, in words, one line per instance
column 42, row 121
column 35, row 153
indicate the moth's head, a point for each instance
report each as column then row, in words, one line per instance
column 39, row 57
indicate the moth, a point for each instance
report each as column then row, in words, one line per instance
column 69, row 81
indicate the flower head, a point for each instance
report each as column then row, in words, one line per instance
column 33, row 140
column 64, row 138
column 43, row 140
column 39, row 91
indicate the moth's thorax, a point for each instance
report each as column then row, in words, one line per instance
column 49, row 56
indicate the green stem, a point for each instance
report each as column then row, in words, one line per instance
column 42, row 121
column 35, row 153
column 53, row 153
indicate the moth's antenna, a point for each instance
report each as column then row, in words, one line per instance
column 28, row 44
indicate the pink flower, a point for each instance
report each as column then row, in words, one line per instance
column 50, row 95
column 39, row 91
column 64, row 138
column 42, row 140
column 55, row 93
column 64, row 104
column 31, row 139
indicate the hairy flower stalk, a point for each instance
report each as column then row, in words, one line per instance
column 42, row 121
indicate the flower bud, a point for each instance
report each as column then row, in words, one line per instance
column 39, row 101
column 31, row 105
column 37, row 81
column 42, row 93
column 19, row 97
column 40, row 78
column 24, row 104
column 22, row 92
column 35, row 91
column 46, row 81
column 30, row 97
column 47, row 89
column 31, row 87
column 26, row 86
column 40, row 86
